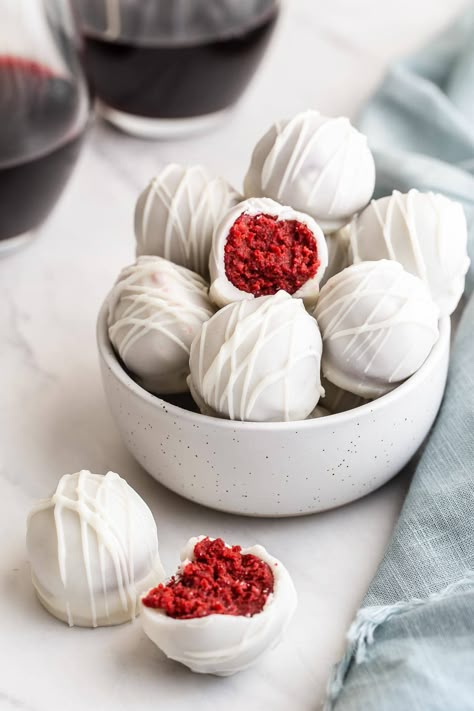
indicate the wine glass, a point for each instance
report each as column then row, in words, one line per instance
column 44, row 109
column 162, row 68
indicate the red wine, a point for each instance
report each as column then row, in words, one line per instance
column 177, row 80
column 38, row 142
column 28, row 191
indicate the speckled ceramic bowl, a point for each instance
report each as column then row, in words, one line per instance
column 275, row 469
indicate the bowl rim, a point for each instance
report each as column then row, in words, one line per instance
column 108, row 356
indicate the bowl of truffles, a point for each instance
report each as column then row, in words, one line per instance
column 285, row 350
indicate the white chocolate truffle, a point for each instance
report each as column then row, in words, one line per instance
column 338, row 254
column 176, row 214
column 319, row 165
column 156, row 308
column 378, row 323
column 203, row 408
column 259, row 360
column 425, row 232
column 209, row 412
column 272, row 267
column 93, row 550
column 223, row 644
column 338, row 400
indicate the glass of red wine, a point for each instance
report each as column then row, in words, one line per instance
column 164, row 68
column 44, row 109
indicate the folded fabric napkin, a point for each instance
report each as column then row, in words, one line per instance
column 411, row 646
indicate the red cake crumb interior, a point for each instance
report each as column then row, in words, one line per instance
column 220, row 580
column 263, row 255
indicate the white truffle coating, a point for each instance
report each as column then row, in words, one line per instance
column 225, row 644
column 206, row 410
column 319, row 165
column 176, row 214
column 378, row 324
column 222, row 290
column 156, row 308
column 425, row 232
column 259, row 360
column 93, row 550
column 203, row 408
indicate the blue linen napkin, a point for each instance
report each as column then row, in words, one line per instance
column 411, row 646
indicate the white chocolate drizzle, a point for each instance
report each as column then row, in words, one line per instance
column 175, row 302
column 306, row 142
column 228, row 382
column 363, row 313
column 425, row 232
column 91, row 500
column 176, row 215
column 319, row 165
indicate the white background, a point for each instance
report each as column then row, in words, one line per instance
column 326, row 54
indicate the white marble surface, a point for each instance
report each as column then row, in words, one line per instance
column 54, row 419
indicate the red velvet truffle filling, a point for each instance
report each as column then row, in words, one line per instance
column 220, row 580
column 263, row 255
